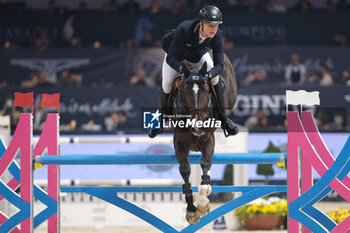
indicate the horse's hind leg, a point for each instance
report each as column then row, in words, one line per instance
column 204, row 190
column 192, row 216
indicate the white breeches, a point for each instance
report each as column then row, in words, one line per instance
column 169, row 74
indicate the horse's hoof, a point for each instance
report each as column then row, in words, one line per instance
column 203, row 210
column 192, row 217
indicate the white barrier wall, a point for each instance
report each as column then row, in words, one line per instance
column 235, row 144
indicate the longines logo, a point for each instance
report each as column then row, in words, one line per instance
column 51, row 66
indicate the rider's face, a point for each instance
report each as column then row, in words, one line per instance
column 209, row 30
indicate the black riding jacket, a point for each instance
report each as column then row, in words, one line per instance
column 182, row 43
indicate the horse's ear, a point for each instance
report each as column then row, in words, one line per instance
column 203, row 70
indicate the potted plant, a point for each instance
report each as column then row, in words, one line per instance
column 267, row 169
column 262, row 214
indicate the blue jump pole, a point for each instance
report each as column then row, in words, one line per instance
column 94, row 159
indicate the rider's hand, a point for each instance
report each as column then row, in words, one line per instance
column 207, row 75
column 184, row 70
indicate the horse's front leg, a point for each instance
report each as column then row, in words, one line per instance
column 204, row 190
column 182, row 153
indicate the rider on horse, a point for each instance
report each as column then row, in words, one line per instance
column 191, row 41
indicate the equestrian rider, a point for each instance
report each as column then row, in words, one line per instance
column 191, row 41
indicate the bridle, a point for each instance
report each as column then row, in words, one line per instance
column 205, row 91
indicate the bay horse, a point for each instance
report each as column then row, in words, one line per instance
column 195, row 97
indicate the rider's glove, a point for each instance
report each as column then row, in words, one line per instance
column 207, row 75
column 184, row 70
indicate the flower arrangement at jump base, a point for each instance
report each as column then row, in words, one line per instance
column 339, row 215
column 263, row 214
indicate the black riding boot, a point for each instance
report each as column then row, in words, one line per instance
column 163, row 105
column 226, row 123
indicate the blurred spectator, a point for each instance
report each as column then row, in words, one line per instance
column 147, row 40
column 83, row 7
column 273, row 6
column 9, row 45
column 52, row 7
column 330, row 7
column 3, row 82
column 131, row 6
column 326, row 78
column 43, row 82
column 295, row 71
column 32, row 81
column 91, row 126
column 97, row 44
column 114, row 5
column 259, row 120
column 101, row 82
column 338, row 121
column 303, row 6
column 129, row 43
column 340, row 39
column 311, row 77
column 77, row 78
column 177, row 7
column 69, row 37
column 138, row 78
column 115, row 120
column 322, row 120
column 342, row 6
column 158, row 42
column 145, row 28
column 39, row 39
column 253, row 6
column 72, row 125
column 345, row 77
column 64, row 78
column 191, row 4
column 239, row 6
column 221, row 4
column 228, row 44
column 106, row 8
column 257, row 77
column 40, row 114
column 155, row 8
column 9, row 109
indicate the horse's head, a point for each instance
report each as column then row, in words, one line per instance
column 196, row 97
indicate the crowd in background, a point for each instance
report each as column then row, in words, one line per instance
column 177, row 6
column 39, row 40
column 70, row 38
column 295, row 73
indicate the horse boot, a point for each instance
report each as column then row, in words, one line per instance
column 163, row 105
column 226, row 123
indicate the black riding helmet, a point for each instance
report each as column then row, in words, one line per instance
column 210, row 14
